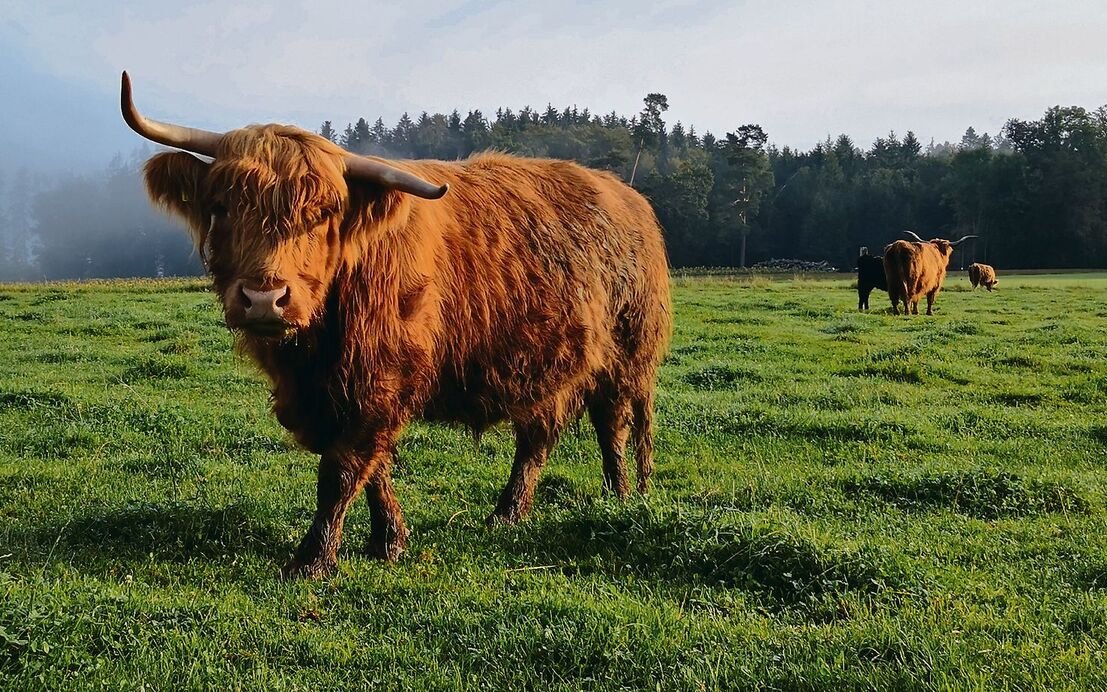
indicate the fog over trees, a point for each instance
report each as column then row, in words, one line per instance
column 1035, row 193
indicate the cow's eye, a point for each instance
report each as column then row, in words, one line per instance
column 218, row 210
column 318, row 217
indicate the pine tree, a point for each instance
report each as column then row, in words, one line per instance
column 678, row 137
column 550, row 117
column 364, row 136
column 910, row 146
column 402, row 135
column 379, row 134
column 649, row 129
column 475, row 130
column 349, row 138
column 970, row 140
column 527, row 117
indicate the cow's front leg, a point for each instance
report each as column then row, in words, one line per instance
column 532, row 447
column 389, row 536
column 342, row 474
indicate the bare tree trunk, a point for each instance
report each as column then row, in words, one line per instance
column 635, row 169
column 744, row 233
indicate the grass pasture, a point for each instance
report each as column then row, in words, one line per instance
column 842, row 500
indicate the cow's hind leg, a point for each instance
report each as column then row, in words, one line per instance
column 611, row 413
column 642, row 410
column 533, row 441
column 389, row 535
column 900, row 294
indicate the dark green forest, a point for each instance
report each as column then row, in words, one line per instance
column 1035, row 193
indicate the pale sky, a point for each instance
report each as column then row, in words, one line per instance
column 801, row 69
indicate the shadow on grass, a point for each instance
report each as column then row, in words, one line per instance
column 700, row 549
column 907, row 372
column 169, row 531
column 1090, row 575
column 980, row 493
column 156, row 368
column 1016, row 399
column 1098, row 433
column 720, row 376
column 26, row 400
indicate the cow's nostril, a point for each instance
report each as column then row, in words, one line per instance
column 285, row 298
column 246, row 302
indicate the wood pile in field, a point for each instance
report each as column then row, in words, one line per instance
column 794, row 265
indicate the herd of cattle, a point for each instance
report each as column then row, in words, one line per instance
column 910, row 270
column 534, row 291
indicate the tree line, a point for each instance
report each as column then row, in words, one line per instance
column 1035, row 193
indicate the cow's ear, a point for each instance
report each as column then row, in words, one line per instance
column 174, row 181
column 373, row 206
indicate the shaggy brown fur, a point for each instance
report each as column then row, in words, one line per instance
column 982, row 275
column 914, row 270
column 533, row 290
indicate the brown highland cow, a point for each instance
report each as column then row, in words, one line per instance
column 534, row 290
column 917, row 269
column 982, row 275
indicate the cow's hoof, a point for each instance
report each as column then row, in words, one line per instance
column 311, row 569
column 502, row 518
column 388, row 551
column 619, row 491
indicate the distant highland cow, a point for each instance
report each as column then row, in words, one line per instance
column 982, row 275
column 917, row 269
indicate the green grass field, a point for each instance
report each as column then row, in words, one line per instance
column 842, row 500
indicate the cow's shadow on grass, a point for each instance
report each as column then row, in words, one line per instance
column 700, row 548
column 165, row 531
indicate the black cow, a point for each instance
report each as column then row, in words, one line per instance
column 870, row 275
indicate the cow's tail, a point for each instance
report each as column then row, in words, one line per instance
column 904, row 270
column 642, row 434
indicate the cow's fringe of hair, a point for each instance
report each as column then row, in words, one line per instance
column 279, row 176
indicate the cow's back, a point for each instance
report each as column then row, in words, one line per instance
column 550, row 275
column 870, row 272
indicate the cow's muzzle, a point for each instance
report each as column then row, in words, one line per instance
column 260, row 311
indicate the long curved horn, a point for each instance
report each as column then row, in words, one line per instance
column 200, row 142
column 963, row 240
column 912, row 234
column 392, row 178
